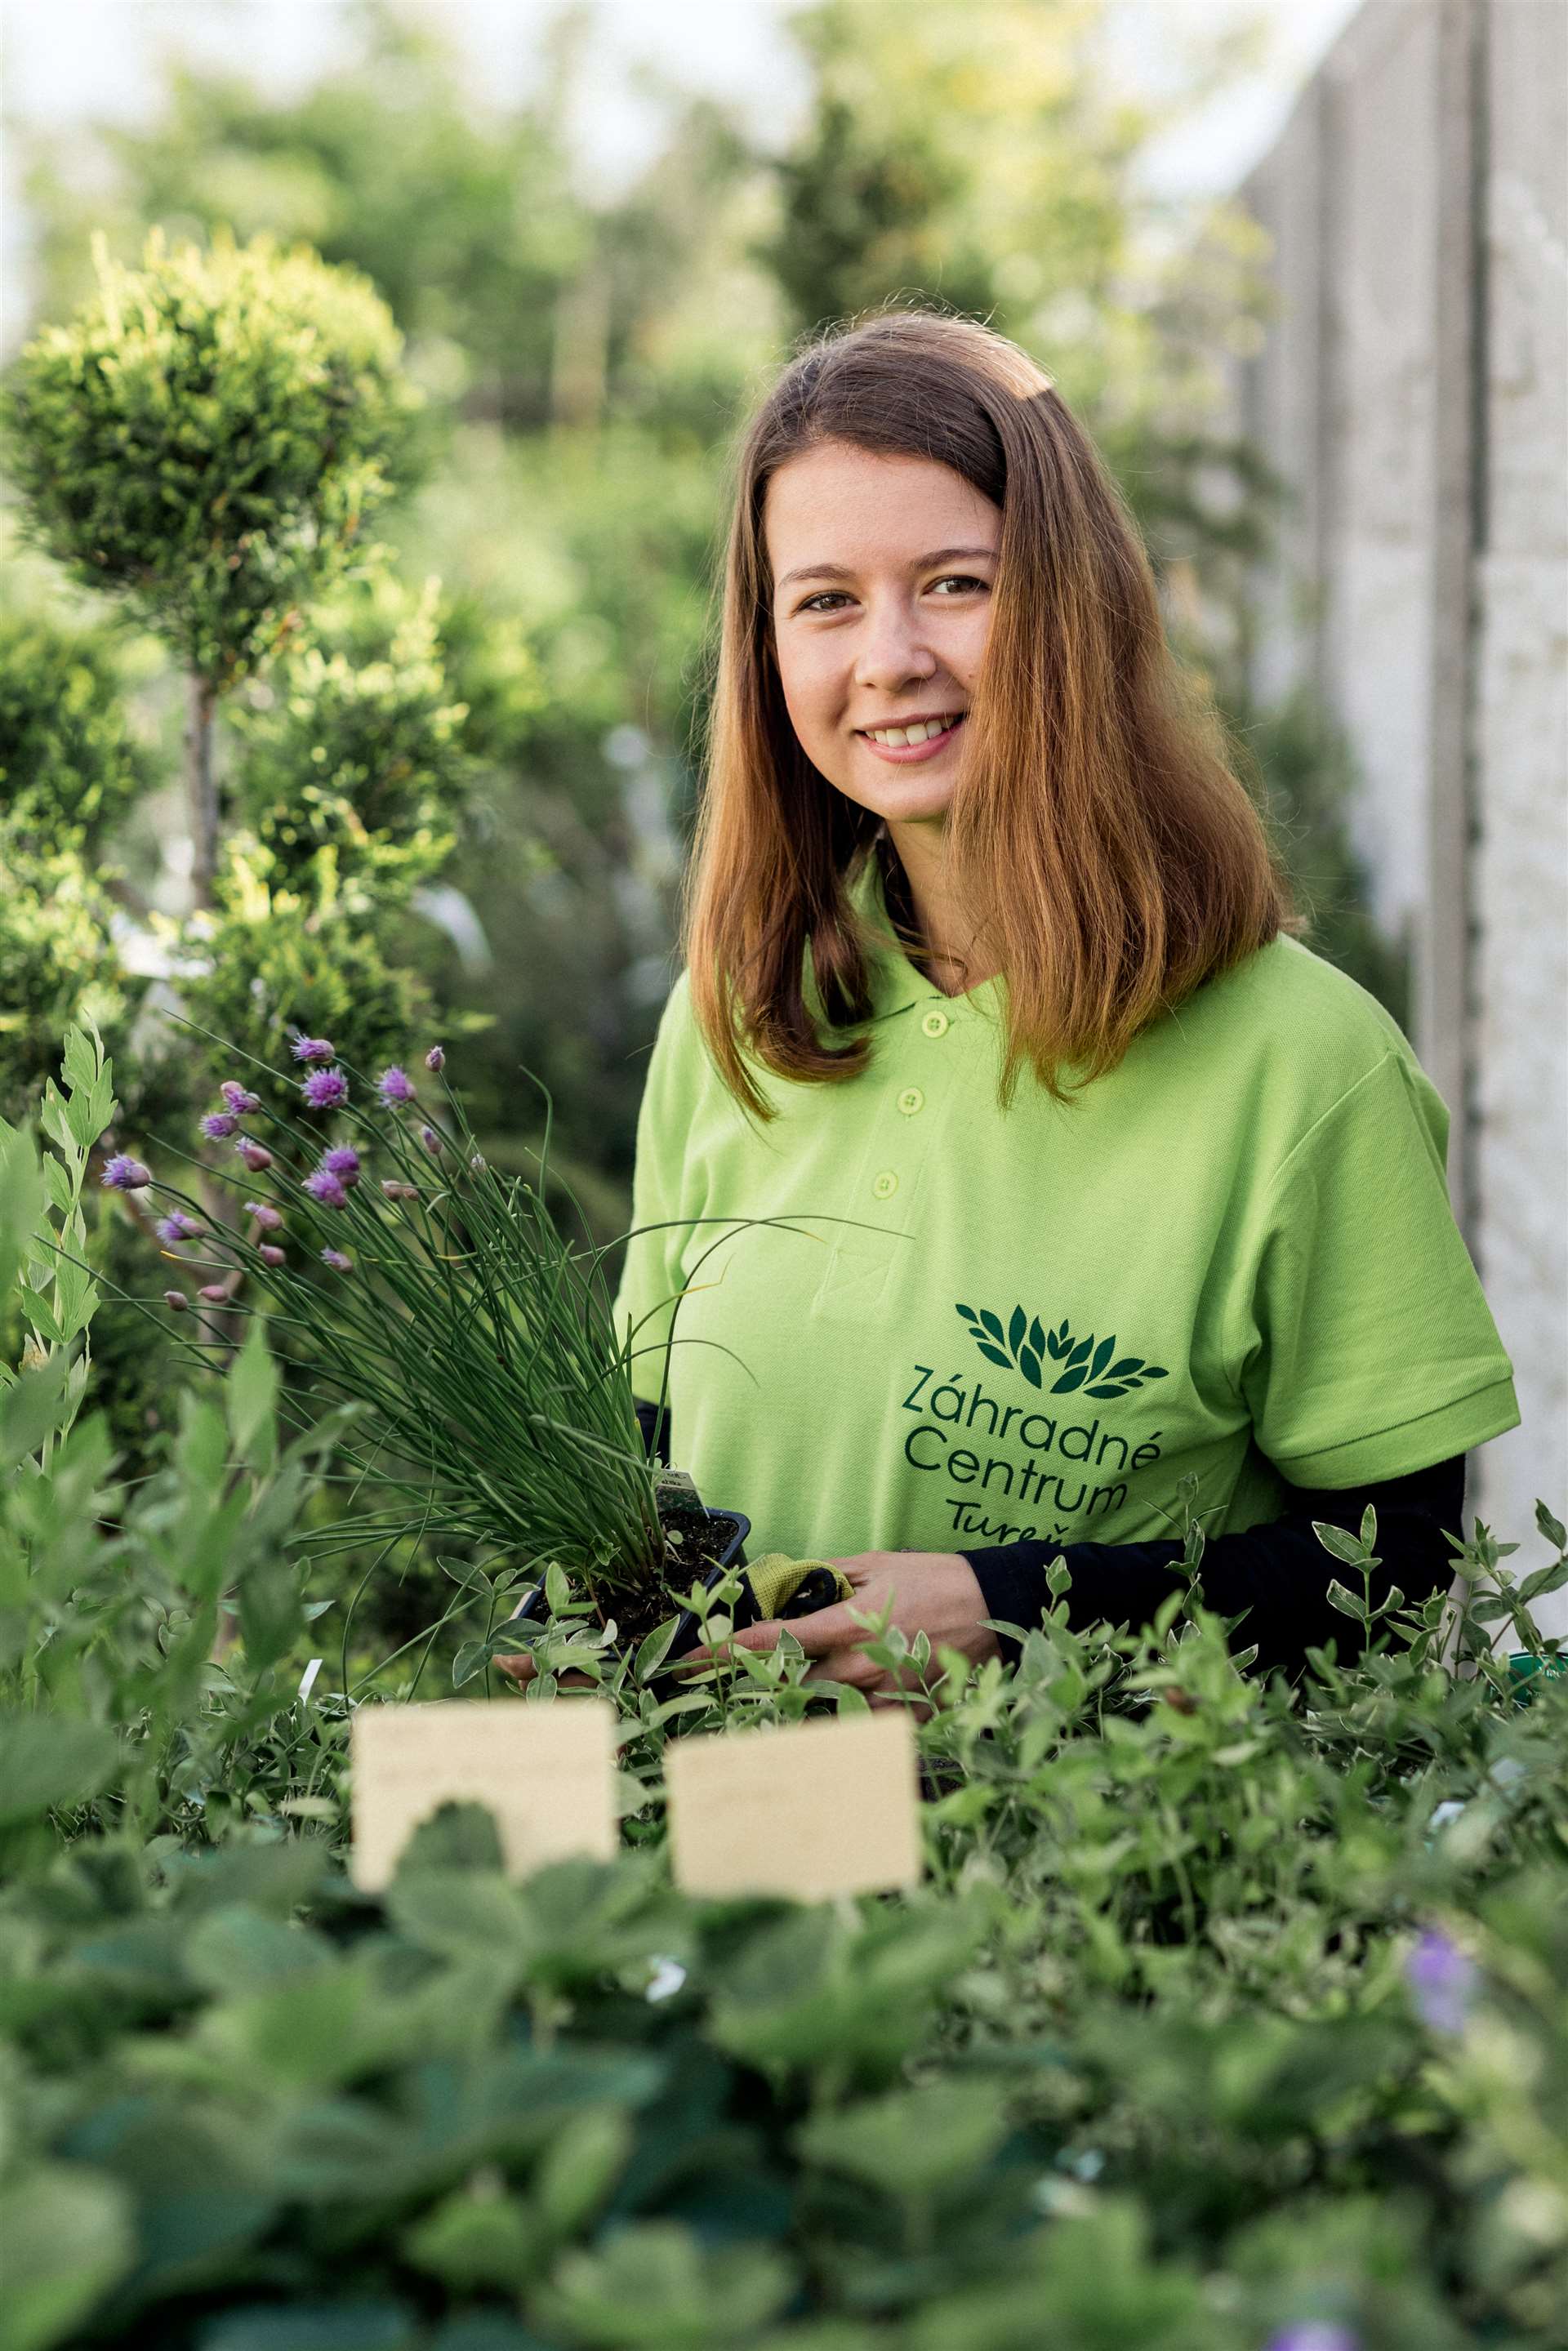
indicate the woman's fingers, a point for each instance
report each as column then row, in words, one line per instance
column 819, row 1634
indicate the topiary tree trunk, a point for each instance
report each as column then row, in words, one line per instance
column 201, row 786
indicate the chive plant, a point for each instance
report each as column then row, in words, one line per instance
column 439, row 1294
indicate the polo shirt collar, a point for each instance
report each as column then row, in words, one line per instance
column 896, row 985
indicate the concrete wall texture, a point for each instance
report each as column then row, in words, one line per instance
column 1412, row 388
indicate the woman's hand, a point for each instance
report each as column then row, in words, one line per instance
column 933, row 1592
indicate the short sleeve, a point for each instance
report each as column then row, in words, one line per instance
column 651, row 1275
column 1366, row 1344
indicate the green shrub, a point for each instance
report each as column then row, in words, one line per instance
column 208, row 437
column 358, row 749
column 71, row 764
column 58, row 962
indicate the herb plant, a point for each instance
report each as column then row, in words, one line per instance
column 409, row 1277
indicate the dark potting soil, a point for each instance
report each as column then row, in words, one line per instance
column 693, row 1543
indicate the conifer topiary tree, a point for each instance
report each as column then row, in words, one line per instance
column 206, row 440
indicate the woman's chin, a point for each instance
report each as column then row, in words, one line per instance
column 908, row 798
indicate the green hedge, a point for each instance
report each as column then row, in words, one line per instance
column 1224, row 2013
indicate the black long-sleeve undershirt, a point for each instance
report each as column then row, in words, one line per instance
column 1278, row 1573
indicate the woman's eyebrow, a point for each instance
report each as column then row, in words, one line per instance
column 920, row 563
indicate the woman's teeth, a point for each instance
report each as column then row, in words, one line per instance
column 897, row 737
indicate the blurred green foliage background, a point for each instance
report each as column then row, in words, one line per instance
column 478, row 794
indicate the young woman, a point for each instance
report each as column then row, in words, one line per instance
column 1089, row 1171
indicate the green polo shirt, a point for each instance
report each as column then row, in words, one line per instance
column 1233, row 1255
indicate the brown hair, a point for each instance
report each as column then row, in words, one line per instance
column 1098, row 824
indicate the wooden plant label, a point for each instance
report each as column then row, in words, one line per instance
column 805, row 1809
column 547, row 1773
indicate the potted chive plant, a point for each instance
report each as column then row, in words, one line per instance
column 439, row 1294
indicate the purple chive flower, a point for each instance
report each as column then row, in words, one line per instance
column 219, row 1124
column 1442, row 1981
column 266, row 1217
column 344, row 1165
column 238, row 1099
column 437, row 1059
column 324, row 1187
column 338, row 1261
column 178, row 1300
column 325, row 1089
column 216, row 1292
column 314, row 1049
column 271, row 1256
column 1314, row 2334
column 394, row 1086
column 430, row 1141
column 124, row 1174
column 396, row 1191
column 177, row 1226
column 256, row 1155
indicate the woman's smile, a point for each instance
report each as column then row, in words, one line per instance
column 894, row 742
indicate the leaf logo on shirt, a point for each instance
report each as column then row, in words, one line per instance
column 1026, row 1345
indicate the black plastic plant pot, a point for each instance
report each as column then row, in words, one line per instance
column 688, row 1631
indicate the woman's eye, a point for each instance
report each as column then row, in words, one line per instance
column 827, row 598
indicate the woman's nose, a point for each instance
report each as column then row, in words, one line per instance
column 892, row 654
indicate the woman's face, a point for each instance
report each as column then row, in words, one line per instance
column 884, row 570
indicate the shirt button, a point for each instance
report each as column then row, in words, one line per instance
column 910, row 1100
column 935, row 1023
column 886, row 1185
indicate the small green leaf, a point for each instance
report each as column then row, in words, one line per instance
column 994, row 1355
column 1346, row 1602
column 58, row 1184
column 993, row 1325
column 457, row 1836
column 31, row 1409
column 67, row 2235
column 21, row 1200
column 78, row 1063
column 252, row 1396
column 1017, row 1329
column 558, row 1587
column 1103, row 1354
column 1029, row 1365
column 1037, row 1336
column 1553, row 1529
column 40, row 1315
column 1551, row 1578
column 52, row 1759
column 1069, row 1381
column 654, row 1649
column 269, row 1616
column 1336, row 1540
column 471, row 1660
